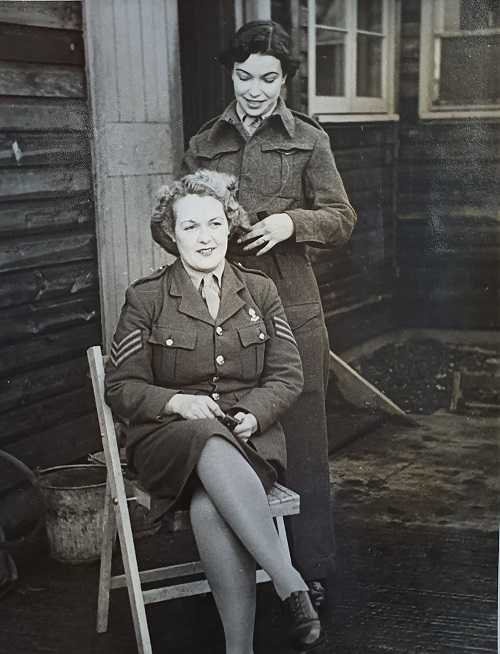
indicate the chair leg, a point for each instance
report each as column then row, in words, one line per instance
column 134, row 587
column 108, row 540
column 280, row 523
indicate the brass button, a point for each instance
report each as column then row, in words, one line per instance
column 215, row 380
column 215, row 396
column 218, row 331
column 219, row 360
column 262, row 336
column 169, row 342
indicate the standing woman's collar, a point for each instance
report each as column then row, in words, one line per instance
column 230, row 115
column 286, row 116
column 242, row 115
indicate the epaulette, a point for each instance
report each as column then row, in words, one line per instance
column 157, row 274
column 307, row 119
column 255, row 271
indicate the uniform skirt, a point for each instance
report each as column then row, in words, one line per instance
column 165, row 460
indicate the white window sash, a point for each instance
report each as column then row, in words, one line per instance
column 351, row 103
column 432, row 33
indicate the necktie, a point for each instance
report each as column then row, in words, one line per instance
column 209, row 289
column 251, row 123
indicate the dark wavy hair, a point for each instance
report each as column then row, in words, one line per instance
column 261, row 37
column 202, row 182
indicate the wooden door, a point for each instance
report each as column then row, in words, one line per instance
column 205, row 29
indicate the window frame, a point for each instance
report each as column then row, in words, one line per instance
column 351, row 107
column 431, row 23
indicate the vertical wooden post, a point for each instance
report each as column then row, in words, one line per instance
column 133, row 73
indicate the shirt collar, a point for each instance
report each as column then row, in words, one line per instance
column 197, row 275
column 241, row 114
column 230, row 115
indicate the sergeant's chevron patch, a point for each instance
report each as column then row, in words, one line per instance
column 283, row 330
column 122, row 350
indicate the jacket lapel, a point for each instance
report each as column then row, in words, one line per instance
column 191, row 303
column 230, row 301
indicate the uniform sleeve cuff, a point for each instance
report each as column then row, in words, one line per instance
column 156, row 402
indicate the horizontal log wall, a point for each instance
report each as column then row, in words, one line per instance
column 356, row 281
column 448, row 208
column 49, row 300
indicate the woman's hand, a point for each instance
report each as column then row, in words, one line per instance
column 269, row 232
column 193, row 407
column 248, row 425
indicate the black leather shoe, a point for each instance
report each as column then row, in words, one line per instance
column 318, row 593
column 306, row 628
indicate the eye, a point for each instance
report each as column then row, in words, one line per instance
column 270, row 79
column 188, row 227
column 244, row 77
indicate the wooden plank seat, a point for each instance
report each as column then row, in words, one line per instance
column 121, row 489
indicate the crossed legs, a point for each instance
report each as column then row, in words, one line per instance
column 234, row 529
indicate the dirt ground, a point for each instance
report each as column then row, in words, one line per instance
column 417, row 374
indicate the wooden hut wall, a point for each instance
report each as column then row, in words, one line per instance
column 448, row 216
column 49, row 303
column 356, row 281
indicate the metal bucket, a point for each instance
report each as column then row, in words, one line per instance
column 74, row 501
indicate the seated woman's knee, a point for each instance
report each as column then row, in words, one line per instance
column 202, row 508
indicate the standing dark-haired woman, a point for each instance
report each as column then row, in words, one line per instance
column 293, row 193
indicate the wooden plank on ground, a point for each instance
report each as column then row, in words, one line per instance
column 359, row 392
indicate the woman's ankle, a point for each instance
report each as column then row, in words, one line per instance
column 293, row 584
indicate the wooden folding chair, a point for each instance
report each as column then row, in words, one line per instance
column 282, row 502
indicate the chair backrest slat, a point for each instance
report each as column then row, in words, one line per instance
column 105, row 416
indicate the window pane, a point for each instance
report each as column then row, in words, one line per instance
column 471, row 14
column 369, row 67
column 331, row 12
column 370, row 15
column 470, row 73
column 330, row 62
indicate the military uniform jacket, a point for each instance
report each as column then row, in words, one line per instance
column 286, row 166
column 166, row 342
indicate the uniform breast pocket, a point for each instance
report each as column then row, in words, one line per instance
column 223, row 162
column 282, row 169
column 173, row 354
column 253, row 340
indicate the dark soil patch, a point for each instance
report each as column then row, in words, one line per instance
column 417, row 374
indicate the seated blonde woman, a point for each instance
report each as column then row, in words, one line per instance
column 196, row 342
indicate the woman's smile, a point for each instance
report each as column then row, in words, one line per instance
column 206, row 252
column 257, row 83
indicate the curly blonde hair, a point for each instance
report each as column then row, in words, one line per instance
column 202, row 182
